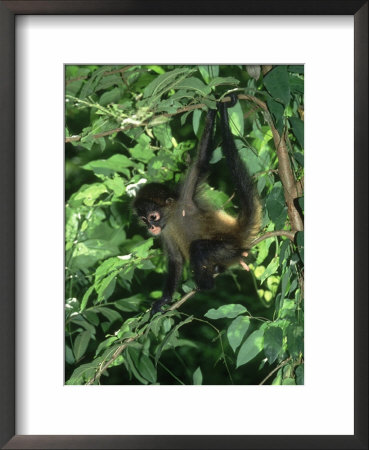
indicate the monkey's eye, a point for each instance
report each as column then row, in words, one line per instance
column 143, row 218
column 154, row 217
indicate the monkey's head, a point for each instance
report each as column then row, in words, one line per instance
column 152, row 204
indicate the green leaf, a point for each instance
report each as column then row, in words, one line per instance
column 301, row 203
column 226, row 311
column 295, row 340
column 277, row 111
column 165, row 82
column 299, row 157
column 278, row 379
column 141, row 250
column 126, row 330
column 91, row 84
column 163, row 135
column 69, row 357
column 300, row 244
column 196, row 122
column 287, row 310
column 112, row 96
column 208, row 72
column 275, row 202
column 142, row 151
column 84, row 372
column 277, row 83
column 252, row 161
column 169, row 337
column 236, row 120
column 272, row 268
column 80, row 344
column 132, row 355
column 285, row 251
column 261, row 183
column 108, row 167
column 194, row 84
column 296, row 85
column 91, row 317
column 110, row 265
column 276, row 205
column 197, row 376
column 108, row 313
column 263, row 251
column 106, row 288
column 237, row 330
column 216, row 156
column 86, row 297
column 146, row 368
column 250, row 348
column 296, row 69
column 288, row 382
column 273, row 339
column 218, row 81
column 129, row 304
column 80, row 321
column 71, row 225
column 285, row 281
column 298, row 129
column 89, row 193
column 116, row 184
column 105, row 344
column 299, row 372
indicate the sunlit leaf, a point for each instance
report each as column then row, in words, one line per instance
column 226, row 311
column 250, row 348
column 197, row 376
column 237, row 330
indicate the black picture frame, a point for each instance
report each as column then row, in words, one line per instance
column 8, row 12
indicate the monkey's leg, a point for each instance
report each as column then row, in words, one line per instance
column 175, row 263
column 208, row 257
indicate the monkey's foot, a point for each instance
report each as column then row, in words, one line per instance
column 157, row 307
column 242, row 263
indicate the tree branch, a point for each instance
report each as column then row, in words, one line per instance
column 282, row 364
column 289, row 234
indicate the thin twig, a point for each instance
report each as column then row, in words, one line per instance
column 275, row 370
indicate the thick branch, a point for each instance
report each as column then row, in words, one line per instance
column 290, row 187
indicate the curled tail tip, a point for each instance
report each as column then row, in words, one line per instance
column 233, row 100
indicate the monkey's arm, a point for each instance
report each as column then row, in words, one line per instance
column 175, row 266
column 200, row 167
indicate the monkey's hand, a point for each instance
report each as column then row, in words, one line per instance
column 156, row 307
column 243, row 264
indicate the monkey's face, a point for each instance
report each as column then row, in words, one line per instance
column 152, row 205
column 154, row 222
column 152, row 215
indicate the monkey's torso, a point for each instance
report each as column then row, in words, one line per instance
column 190, row 224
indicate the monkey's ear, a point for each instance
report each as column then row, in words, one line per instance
column 169, row 200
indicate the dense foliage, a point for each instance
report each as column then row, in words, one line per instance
column 126, row 125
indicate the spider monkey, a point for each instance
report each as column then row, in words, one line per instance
column 190, row 228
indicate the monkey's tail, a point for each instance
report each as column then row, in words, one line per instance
column 249, row 217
